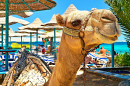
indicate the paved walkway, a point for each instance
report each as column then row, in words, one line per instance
column 94, row 80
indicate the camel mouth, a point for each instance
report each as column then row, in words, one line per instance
column 114, row 38
column 107, row 20
column 104, row 38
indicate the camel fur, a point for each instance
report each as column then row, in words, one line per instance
column 102, row 27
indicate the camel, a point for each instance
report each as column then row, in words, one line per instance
column 101, row 27
column 82, row 31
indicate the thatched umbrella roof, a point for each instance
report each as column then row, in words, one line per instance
column 52, row 21
column 10, row 31
column 22, row 6
column 28, row 5
column 33, row 26
column 51, row 34
column 69, row 10
column 18, row 35
column 30, row 31
column 51, row 28
column 22, row 14
column 13, row 20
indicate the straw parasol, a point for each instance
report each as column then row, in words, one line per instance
column 35, row 25
column 51, row 34
column 28, row 5
column 22, row 6
column 69, row 10
column 18, row 35
column 22, row 14
column 52, row 21
column 13, row 20
column 30, row 32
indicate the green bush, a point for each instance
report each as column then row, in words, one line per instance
column 123, row 59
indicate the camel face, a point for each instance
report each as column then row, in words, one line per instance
column 105, row 25
column 101, row 25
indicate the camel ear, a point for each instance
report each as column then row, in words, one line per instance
column 60, row 20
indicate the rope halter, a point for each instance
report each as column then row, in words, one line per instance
column 79, row 33
column 76, row 32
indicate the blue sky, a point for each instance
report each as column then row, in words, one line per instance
column 61, row 7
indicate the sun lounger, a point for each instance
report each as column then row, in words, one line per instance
column 48, row 60
column 11, row 60
column 102, row 62
column 9, row 57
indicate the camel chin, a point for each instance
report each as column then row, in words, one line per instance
column 104, row 38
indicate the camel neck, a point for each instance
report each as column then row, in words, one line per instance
column 68, row 62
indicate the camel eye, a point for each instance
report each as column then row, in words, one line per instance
column 76, row 23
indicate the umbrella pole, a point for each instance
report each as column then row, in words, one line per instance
column 54, row 43
column 30, row 41
column 10, row 42
column 21, row 41
column 2, row 37
column 37, row 40
column 112, row 60
column 6, row 41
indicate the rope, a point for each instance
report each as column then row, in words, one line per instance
column 80, row 33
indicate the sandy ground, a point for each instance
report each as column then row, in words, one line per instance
column 91, row 80
column 94, row 80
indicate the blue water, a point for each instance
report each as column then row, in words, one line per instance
column 119, row 47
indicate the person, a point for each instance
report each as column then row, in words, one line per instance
column 94, row 52
column 39, row 47
column 89, row 60
column 34, row 47
column 115, row 53
column 43, row 50
column 48, row 47
column 0, row 52
column 22, row 49
column 57, row 49
column 103, row 51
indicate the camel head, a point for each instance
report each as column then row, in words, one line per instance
column 99, row 26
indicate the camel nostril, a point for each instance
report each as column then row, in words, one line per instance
column 108, row 16
column 107, row 19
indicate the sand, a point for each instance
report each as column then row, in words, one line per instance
column 94, row 80
column 91, row 80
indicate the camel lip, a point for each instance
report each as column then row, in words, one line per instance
column 114, row 38
column 107, row 20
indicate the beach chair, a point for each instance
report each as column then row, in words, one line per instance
column 102, row 62
column 11, row 60
column 48, row 60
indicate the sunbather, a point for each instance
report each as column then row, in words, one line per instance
column 103, row 52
